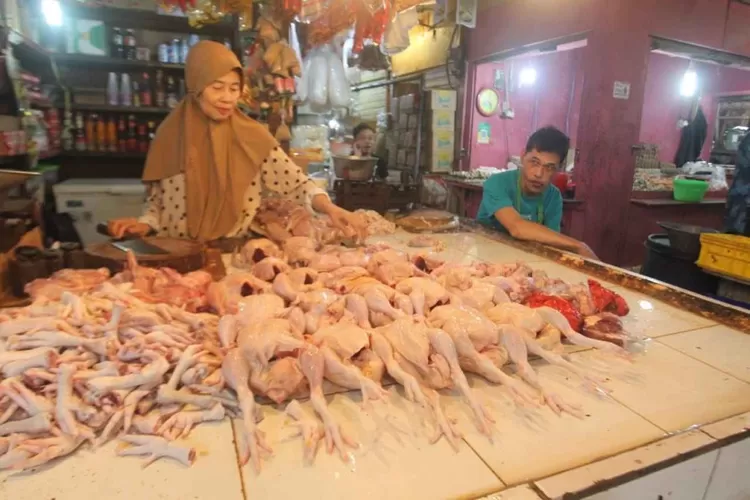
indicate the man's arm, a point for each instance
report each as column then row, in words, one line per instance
column 521, row 229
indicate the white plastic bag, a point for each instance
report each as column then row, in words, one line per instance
column 301, row 82
column 339, row 94
column 317, row 81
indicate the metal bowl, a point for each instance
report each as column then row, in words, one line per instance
column 354, row 168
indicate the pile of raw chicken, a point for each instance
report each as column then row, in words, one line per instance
column 147, row 354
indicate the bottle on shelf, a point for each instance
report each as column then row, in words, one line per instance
column 126, row 98
column 132, row 140
column 175, row 51
column 122, row 135
column 68, row 135
column 171, row 92
column 227, row 43
column 184, row 49
column 130, row 44
column 151, row 131
column 136, row 94
column 193, row 39
column 117, row 44
column 160, row 95
column 112, row 134
column 113, row 96
column 91, row 132
column 142, row 138
column 101, row 134
column 80, row 133
column 146, row 91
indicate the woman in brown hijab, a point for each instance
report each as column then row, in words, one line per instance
column 209, row 164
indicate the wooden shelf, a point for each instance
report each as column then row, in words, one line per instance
column 106, row 108
column 114, row 63
column 102, row 154
column 146, row 19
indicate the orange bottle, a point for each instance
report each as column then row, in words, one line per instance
column 91, row 132
column 112, row 135
column 101, row 134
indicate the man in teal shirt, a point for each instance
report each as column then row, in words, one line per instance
column 523, row 203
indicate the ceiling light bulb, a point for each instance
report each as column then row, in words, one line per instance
column 527, row 77
column 689, row 84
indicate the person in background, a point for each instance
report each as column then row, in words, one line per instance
column 364, row 145
column 523, row 203
column 737, row 219
column 209, row 165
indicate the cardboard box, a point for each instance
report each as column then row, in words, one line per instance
column 403, row 122
column 442, row 119
column 440, row 161
column 442, row 99
column 401, row 156
column 443, row 140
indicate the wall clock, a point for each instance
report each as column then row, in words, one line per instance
column 488, row 100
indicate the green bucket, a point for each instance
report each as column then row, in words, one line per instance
column 689, row 189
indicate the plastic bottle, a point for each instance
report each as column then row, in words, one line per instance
column 101, row 134
column 122, row 135
column 174, row 54
column 126, row 98
column 117, row 44
column 112, row 134
column 113, row 97
column 159, row 94
column 91, row 133
column 146, row 91
column 184, row 49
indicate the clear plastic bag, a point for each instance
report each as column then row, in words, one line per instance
column 301, row 82
column 317, row 81
column 339, row 94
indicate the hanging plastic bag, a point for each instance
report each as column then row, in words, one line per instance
column 301, row 82
column 339, row 94
column 317, row 83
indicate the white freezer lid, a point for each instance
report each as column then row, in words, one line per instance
column 100, row 186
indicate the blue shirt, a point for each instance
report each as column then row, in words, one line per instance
column 500, row 191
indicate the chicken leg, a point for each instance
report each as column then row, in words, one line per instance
column 427, row 398
column 237, row 372
column 443, row 345
column 313, row 363
column 512, row 338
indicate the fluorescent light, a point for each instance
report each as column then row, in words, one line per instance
column 334, row 124
column 689, row 84
column 52, row 12
column 527, row 77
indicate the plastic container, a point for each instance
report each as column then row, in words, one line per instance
column 675, row 267
column 727, row 254
column 689, row 190
column 93, row 201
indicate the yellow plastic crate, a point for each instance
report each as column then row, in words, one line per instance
column 727, row 254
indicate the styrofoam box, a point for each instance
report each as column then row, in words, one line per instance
column 96, row 201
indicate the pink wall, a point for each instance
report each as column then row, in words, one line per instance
column 663, row 105
column 555, row 99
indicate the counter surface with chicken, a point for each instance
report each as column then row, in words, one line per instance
column 431, row 366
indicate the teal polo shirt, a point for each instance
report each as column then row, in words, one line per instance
column 500, row 192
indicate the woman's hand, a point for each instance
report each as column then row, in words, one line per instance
column 351, row 224
column 129, row 226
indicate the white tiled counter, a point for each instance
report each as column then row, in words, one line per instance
column 673, row 426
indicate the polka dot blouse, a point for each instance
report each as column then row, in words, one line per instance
column 166, row 213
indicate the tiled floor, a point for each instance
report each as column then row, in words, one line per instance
column 694, row 372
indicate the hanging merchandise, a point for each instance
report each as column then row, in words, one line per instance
column 466, row 13
column 396, row 37
column 339, row 94
column 317, row 79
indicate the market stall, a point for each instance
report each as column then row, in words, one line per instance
column 435, row 359
column 675, row 407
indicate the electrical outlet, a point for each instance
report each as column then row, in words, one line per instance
column 507, row 112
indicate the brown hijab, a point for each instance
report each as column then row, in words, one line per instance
column 219, row 159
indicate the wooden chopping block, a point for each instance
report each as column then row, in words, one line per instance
column 184, row 255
